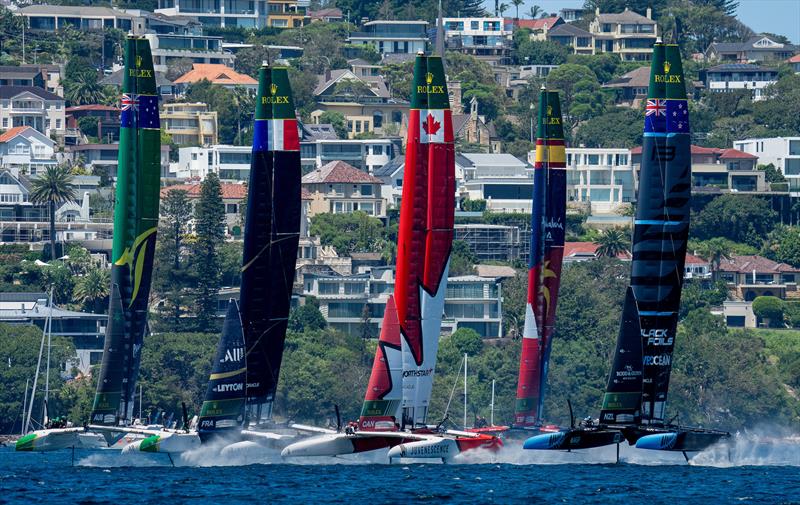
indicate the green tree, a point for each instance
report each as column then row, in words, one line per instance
column 19, row 351
column 783, row 245
column 580, row 93
column 740, row 218
column 769, row 308
column 249, row 59
column 172, row 277
column 695, row 296
column 715, row 250
column 771, row 173
column 515, row 296
column 613, row 242
column 537, row 52
column 337, row 120
column 180, row 66
column 91, row 289
column 306, row 317
column 626, row 133
column 467, row 341
column 462, row 259
column 209, row 216
column 84, row 89
column 53, row 187
column 348, row 233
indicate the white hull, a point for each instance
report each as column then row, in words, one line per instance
column 439, row 448
column 49, row 440
column 333, row 444
column 165, row 442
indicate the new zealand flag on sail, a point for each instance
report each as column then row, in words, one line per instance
column 140, row 111
column 666, row 116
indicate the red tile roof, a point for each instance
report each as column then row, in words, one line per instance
column 216, row 73
column 230, row 191
column 794, row 59
column 305, row 194
column 92, row 107
column 748, row 263
column 723, row 153
column 536, row 24
column 586, row 249
column 339, row 172
column 736, row 154
column 13, row 132
column 691, row 259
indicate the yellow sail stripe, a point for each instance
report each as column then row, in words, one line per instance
column 551, row 154
column 225, row 375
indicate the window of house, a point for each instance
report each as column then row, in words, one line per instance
column 592, row 159
column 377, row 149
column 473, row 25
column 329, row 288
column 366, row 190
column 231, row 208
column 354, row 288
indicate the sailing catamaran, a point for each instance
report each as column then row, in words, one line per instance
column 544, row 275
column 244, row 378
column 396, row 402
column 634, row 402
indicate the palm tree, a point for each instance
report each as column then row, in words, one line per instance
column 53, row 187
column 84, row 89
column 535, row 11
column 714, row 251
column 613, row 242
column 516, row 4
column 502, row 8
column 92, row 288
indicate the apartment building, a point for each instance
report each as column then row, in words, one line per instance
column 26, row 151
column 340, row 188
column 348, row 302
column 57, row 17
column 222, row 13
column 231, row 163
column 34, row 107
column 190, row 124
column 398, row 38
column 736, row 76
column 505, row 182
column 627, row 34
column 484, row 38
column 601, row 178
column 367, row 155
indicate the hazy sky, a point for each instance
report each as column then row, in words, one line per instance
column 776, row 16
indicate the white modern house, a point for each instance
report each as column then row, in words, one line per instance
column 783, row 152
column 737, row 76
column 599, row 177
column 504, row 181
column 229, row 162
column 393, row 37
column 25, row 150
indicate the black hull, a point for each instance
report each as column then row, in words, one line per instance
column 675, row 438
column 574, row 439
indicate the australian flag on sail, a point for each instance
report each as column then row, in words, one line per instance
column 140, row 111
column 677, row 116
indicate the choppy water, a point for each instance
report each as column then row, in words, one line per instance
column 752, row 473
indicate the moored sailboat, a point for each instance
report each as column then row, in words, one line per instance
column 633, row 406
column 396, row 403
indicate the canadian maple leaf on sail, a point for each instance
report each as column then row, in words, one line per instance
column 431, row 126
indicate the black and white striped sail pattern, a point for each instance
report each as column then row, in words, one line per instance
column 639, row 380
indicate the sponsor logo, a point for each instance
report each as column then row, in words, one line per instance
column 668, row 79
column 662, row 153
column 235, row 354
column 427, row 450
column 608, row 416
column 659, row 360
column 629, row 372
column 270, row 100
column 226, row 388
column 273, row 88
column 429, row 78
column 417, row 373
column 430, row 89
column 554, row 223
column 253, row 385
column 138, row 61
column 667, row 66
column 657, row 337
column 139, row 72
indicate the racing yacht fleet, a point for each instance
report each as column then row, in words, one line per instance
column 394, row 420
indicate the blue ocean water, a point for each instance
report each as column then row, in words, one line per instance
column 107, row 477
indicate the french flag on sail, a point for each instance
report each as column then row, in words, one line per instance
column 276, row 135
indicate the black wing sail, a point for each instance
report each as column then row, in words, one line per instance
column 272, row 231
column 223, row 407
column 623, row 398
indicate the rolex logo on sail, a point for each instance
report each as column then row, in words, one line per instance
column 666, row 78
column 139, row 72
column 429, row 88
column 273, row 89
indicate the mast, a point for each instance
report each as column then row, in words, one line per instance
column 36, row 376
column 400, row 383
column 135, row 228
column 49, row 327
column 271, row 235
column 660, row 234
column 491, row 411
column 548, row 218
column 23, row 422
column 465, row 391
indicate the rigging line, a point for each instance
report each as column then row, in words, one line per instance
column 452, row 391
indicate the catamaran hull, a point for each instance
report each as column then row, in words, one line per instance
column 49, row 440
column 167, row 442
column 682, row 441
column 338, row 444
column 444, row 448
column 574, row 439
